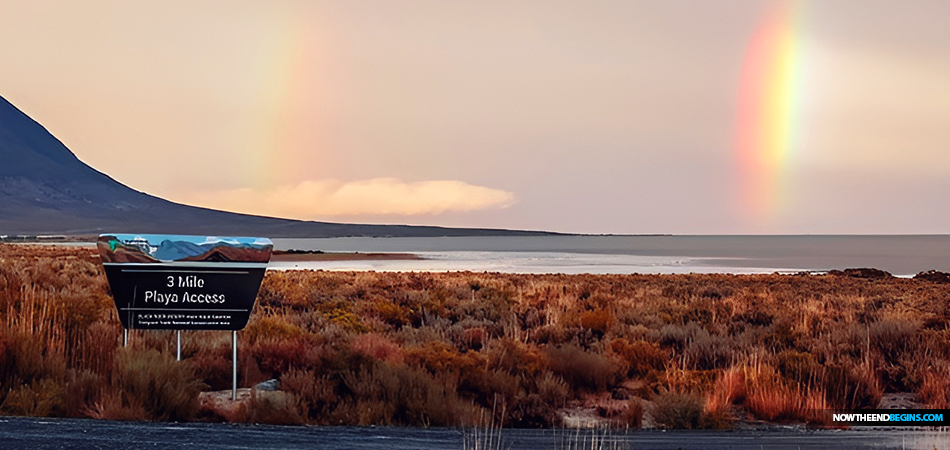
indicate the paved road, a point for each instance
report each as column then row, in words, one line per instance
column 29, row 433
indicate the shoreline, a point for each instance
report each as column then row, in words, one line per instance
column 903, row 256
column 317, row 256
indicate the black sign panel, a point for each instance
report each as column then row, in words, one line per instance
column 171, row 297
column 211, row 284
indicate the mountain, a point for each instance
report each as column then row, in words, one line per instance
column 176, row 250
column 46, row 189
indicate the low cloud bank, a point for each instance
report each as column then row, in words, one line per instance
column 379, row 196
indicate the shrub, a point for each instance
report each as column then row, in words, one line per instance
column 271, row 327
column 339, row 313
column 782, row 403
column 639, row 357
column 400, row 395
column 799, row 367
column 728, row 390
column 851, row 387
column 598, row 320
column 28, row 360
column 377, row 346
column 530, row 411
column 83, row 391
column 315, row 394
column 552, row 389
column 274, row 408
column 935, row 389
column 674, row 410
column 781, row 336
column 115, row 405
column 278, row 357
column 897, row 342
column 436, row 357
column 390, row 313
column 475, row 338
column 583, row 370
column 633, row 415
column 676, row 336
column 166, row 389
column 515, row 358
column 212, row 365
column 770, row 398
column 708, row 352
column 44, row 397
column 99, row 347
column 893, row 338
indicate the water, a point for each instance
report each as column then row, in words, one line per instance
column 900, row 255
column 32, row 433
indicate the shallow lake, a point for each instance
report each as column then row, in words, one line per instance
column 901, row 255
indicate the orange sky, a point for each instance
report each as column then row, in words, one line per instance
column 602, row 117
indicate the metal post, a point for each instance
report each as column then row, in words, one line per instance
column 179, row 345
column 125, row 337
column 234, row 365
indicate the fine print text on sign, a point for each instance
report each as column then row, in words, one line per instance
column 173, row 282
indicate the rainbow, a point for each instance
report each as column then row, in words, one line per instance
column 287, row 87
column 284, row 143
column 767, row 112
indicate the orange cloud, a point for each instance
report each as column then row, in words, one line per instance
column 378, row 196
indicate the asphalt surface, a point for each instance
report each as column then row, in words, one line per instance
column 33, row 433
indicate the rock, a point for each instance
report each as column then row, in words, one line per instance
column 933, row 276
column 900, row 400
column 582, row 418
column 269, row 385
column 621, row 393
column 866, row 273
column 217, row 406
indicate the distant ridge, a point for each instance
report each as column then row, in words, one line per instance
column 46, row 189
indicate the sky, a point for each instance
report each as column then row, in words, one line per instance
column 684, row 117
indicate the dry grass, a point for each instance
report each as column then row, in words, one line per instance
column 773, row 398
column 457, row 348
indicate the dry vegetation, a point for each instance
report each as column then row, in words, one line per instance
column 690, row 351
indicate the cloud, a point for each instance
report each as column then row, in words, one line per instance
column 375, row 197
column 216, row 239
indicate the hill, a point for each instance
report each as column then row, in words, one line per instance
column 46, row 189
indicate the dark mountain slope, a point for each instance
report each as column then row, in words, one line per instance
column 45, row 189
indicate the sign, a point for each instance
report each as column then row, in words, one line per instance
column 167, row 282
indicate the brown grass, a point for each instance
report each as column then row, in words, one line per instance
column 455, row 348
column 771, row 398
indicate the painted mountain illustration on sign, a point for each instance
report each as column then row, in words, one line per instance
column 46, row 189
column 134, row 248
column 170, row 250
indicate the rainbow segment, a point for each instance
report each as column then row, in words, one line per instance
column 286, row 88
column 284, row 145
column 768, row 104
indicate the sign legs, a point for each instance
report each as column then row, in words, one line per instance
column 234, row 365
column 234, row 356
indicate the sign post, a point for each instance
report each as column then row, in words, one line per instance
column 234, row 365
column 173, row 282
